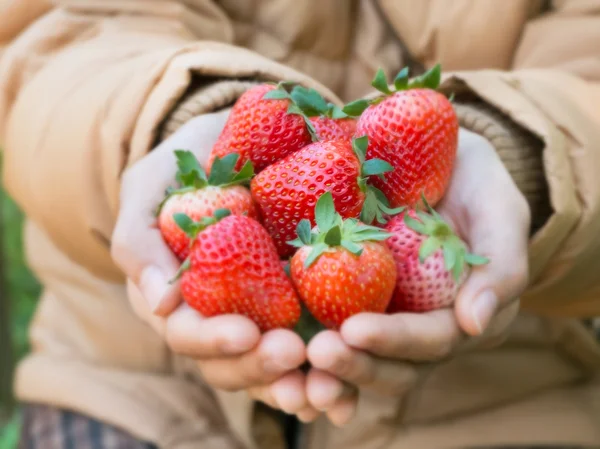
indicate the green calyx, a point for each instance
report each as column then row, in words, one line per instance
column 193, row 228
column 309, row 103
column 376, row 204
column 331, row 231
column 429, row 80
column 222, row 172
column 441, row 235
column 191, row 176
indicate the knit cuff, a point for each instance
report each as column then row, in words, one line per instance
column 203, row 99
column 519, row 150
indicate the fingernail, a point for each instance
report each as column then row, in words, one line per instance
column 484, row 307
column 153, row 285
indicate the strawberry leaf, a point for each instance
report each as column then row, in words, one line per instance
column 315, row 253
column 376, row 167
column 219, row 214
column 474, row 259
column 309, row 101
column 190, row 173
column 221, row 171
column 182, row 268
column 335, row 112
column 303, row 231
column 355, row 108
column 449, row 256
column 244, row 175
column 325, row 213
column 277, row 94
column 360, row 145
column 287, row 270
column 459, row 264
column 380, row 82
column 377, row 235
column 352, row 247
column 185, row 223
column 415, row 225
column 401, row 80
column 428, row 247
column 369, row 209
column 334, row 236
column 430, row 79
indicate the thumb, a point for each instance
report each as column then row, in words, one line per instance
column 151, row 266
column 503, row 241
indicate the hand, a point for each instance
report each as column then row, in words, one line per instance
column 231, row 353
column 374, row 351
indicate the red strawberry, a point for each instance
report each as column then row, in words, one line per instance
column 260, row 129
column 342, row 267
column 233, row 268
column 287, row 191
column 415, row 129
column 328, row 128
column 432, row 262
column 199, row 196
column 327, row 121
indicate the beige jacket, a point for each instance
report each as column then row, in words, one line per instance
column 88, row 87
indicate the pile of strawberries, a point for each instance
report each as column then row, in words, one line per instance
column 307, row 203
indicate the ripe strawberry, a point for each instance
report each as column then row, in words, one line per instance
column 287, row 191
column 260, row 129
column 415, row 129
column 199, row 196
column 326, row 120
column 432, row 262
column 233, row 268
column 342, row 267
column 328, row 128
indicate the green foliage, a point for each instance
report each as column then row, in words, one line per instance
column 21, row 291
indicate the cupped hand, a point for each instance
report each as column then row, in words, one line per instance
column 383, row 351
column 232, row 354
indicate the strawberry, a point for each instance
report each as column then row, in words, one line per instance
column 260, row 129
column 287, row 191
column 199, row 196
column 415, row 129
column 432, row 262
column 343, row 267
column 328, row 128
column 233, row 268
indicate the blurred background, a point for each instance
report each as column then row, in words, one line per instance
column 18, row 294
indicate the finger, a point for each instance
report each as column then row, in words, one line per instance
column 495, row 219
column 328, row 352
column 287, row 393
column 343, row 411
column 307, row 415
column 325, row 390
column 137, row 246
column 189, row 333
column 290, row 392
column 406, row 336
column 278, row 352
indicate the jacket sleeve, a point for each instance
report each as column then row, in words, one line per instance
column 84, row 90
column 543, row 116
